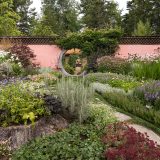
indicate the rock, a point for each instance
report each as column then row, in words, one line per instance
column 19, row 135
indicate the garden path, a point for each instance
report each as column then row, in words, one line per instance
column 152, row 136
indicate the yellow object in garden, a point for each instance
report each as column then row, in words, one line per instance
column 73, row 51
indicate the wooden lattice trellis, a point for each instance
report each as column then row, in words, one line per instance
column 30, row 40
column 148, row 40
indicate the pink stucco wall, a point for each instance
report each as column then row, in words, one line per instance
column 46, row 55
column 143, row 51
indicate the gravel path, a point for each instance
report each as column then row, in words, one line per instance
column 152, row 136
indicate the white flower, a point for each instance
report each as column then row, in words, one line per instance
column 147, row 106
column 19, row 63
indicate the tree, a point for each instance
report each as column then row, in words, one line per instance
column 40, row 29
column 143, row 29
column 60, row 16
column 144, row 10
column 100, row 14
column 93, row 43
column 8, row 19
column 27, row 15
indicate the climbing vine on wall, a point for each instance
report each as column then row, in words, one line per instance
column 93, row 43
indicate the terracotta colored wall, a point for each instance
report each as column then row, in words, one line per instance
column 141, row 50
column 46, row 55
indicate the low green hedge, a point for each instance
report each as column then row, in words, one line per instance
column 133, row 106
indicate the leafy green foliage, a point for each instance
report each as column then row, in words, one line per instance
column 41, row 29
column 60, row 17
column 72, row 60
column 69, row 68
column 75, row 98
column 143, row 29
column 113, row 64
column 100, row 114
column 9, row 65
column 100, row 14
column 93, row 43
column 133, row 106
column 8, row 19
column 146, row 69
column 78, row 142
column 149, row 94
column 105, row 77
column 126, row 85
column 139, row 11
column 27, row 15
column 81, row 142
column 17, row 105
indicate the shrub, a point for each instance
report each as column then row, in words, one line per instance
column 146, row 69
column 124, row 142
column 10, row 65
column 6, row 69
column 100, row 115
column 3, row 56
column 93, row 43
column 126, row 85
column 75, row 97
column 103, row 88
column 105, row 77
column 72, row 60
column 69, row 69
column 78, row 142
column 133, row 106
column 24, row 54
column 17, row 105
column 53, row 104
column 113, row 64
column 81, row 142
column 149, row 93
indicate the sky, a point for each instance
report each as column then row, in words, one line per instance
column 122, row 5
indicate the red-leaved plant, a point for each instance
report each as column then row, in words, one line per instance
column 24, row 54
column 125, row 143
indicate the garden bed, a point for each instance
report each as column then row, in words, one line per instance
column 19, row 135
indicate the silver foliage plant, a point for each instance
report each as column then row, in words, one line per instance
column 75, row 97
column 103, row 88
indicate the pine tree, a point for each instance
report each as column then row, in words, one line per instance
column 100, row 14
column 143, row 10
column 27, row 15
column 60, row 16
column 143, row 29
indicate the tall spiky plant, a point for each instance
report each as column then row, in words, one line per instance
column 75, row 97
